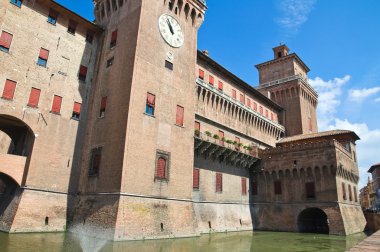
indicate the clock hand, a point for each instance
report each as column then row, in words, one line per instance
column 170, row 26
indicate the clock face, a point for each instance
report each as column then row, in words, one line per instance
column 171, row 31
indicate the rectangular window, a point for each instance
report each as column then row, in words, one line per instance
column 56, row 106
column 310, row 124
column 169, row 65
column 248, row 102
column 53, row 16
column 261, row 110
column 344, row 191
column 219, row 182
column 43, row 57
column 76, row 110
column 196, row 179
column 266, row 113
column 271, row 116
column 110, row 62
column 243, row 186
column 237, row 143
column 201, row 74
column 254, row 188
column 234, row 94
column 113, row 39
column 179, row 116
column 242, row 98
column 150, row 104
column 82, row 73
column 18, row 3
column 349, row 193
column 34, row 97
column 254, row 106
column 355, row 194
column 96, row 157
column 310, row 190
column 90, row 36
column 221, row 137
column 277, row 187
column 220, row 86
column 103, row 106
column 9, row 90
column 5, row 41
column 197, row 129
column 72, row 27
column 162, row 165
column 211, row 80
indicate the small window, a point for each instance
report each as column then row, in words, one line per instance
column 197, row 129
column 237, row 145
column 96, row 157
column 162, row 165
column 196, row 179
column 310, row 190
column 113, row 39
column 34, row 97
column 76, row 110
column 220, row 86
column 266, row 113
column 254, row 188
column 90, row 36
column 271, row 116
column 169, row 65
column 9, row 90
column 53, row 16
column 103, row 106
column 150, row 104
column 349, row 193
column 344, row 191
column 5, row 41
column 211, row 80
column 255, row 106
column 277, row 187
column 242, row 98
column 72, row 27
column 261, row 110
column 179, row 116
column 82, row 73
column 18, row 3
column 243, row 186
column 248, row 102
column 43, row 57
column 234, row 94
column 279, row 54
column 201, row 74
column 221, row 138
column 219, row 182
column 110, row 62
column 56, row 106
column 355, row 194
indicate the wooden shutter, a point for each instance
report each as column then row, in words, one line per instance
column 103, row 104
column 243, row 186
column 195, row 178
column 34, row 97
column 114, row 36
column 277, row 187
column 220, row 85
column 211, row 80
column 44, row 54
column 201, row 74
column 6, row 39
column 254, row 188
column 271, row 116
column 179, row 116
column 248, row 102
column 197, row 126
column 9, row 89
column 242, row 98
column 221, row 136
column 161, row 168
column 77, row 107
column 234, row 93
column 219, row 182
column 310, row 190
column 151, row 100
column 83, row 71
column 56, row 107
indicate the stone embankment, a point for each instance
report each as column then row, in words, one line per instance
column 370, row 244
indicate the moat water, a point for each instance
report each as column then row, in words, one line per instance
column 231, row 242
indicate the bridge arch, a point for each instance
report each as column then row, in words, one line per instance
column 313, row 220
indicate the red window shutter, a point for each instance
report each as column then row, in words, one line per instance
column 220, row 85
column 83, row 70
column 310, row 190
column 197, row 126
column 234, row 93
column 221, row 136
column 266, row 113
column 6, row 39
column 255, row 106
column 243, row 186
column 195, row 178
column 161, row 168
column 277, row 187
column 254, row 188
column 56, row 107
column 9, row 89
column 248, row 102
column 219, row 182
column 261, row 110
column 103, row 104
column 201, row 74
column 34, row 97
column 151, row 100
column 179, row 116
column 77, row 107
column 114, row 37
column 44, row 54
column 242, row 98
column 211, row 80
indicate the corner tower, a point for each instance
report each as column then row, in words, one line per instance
column 139, row 140
column 284, row 80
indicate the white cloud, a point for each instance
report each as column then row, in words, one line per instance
column 329, row 98
column 359, row 95
column 377, row 99
column 294, row 13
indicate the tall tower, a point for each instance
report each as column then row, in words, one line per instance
column 139, row 142
column 284, row 80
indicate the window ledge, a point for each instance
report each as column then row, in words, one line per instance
column 55, row 113
column 180, row 126
column 7, row 99
column 32, row 107
column 149, row 115
column 75, row 119
column 165, row 180
column 72, row 33
column 16, row 5
column 55, row 24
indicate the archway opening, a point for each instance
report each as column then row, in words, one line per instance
column 313, row 220
column 8, row 190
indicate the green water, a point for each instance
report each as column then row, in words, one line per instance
column 231, row 242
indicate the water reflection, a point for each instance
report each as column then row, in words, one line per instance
column 242, row 241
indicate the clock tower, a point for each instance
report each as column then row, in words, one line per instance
column 137, row 163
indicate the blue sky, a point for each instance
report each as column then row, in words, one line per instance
column 339, row 40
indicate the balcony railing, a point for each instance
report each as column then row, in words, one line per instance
column 218, row 150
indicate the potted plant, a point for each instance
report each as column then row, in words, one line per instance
column 208, row 134
column 197, row 132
